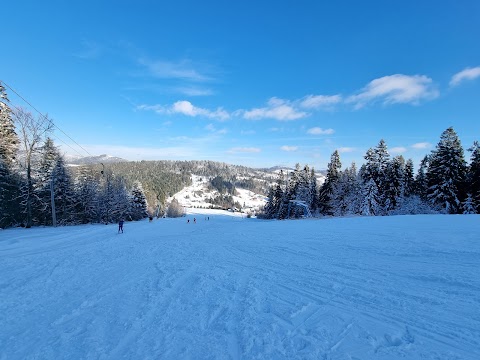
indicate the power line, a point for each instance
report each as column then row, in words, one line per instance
column 56, row 137
column 47, row 119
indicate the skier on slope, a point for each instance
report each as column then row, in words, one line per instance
column 120, row 226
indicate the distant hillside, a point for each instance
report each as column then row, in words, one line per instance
column 195, row 183
column 100, row 159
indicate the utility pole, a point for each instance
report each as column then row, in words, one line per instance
column 52, row 200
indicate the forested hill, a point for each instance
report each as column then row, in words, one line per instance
column 162, row 179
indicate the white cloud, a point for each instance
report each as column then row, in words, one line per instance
column 244, row 150
column 466, row 74
column 194, row 91
column 187, row 108
column 320, row 101
column 247, row 132
column 275, row 129
column 422, row 145
column 396, row 88
column 183, row 69
column 320, row 131
column 277, row 109
column 289, row 148
column 342, row 150
column 159, row 109
column 398, row 150
column 212, row 128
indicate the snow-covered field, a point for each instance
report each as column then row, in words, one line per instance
column 197, row 194
column 404, row 287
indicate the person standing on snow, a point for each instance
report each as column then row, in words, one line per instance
column 120, row 226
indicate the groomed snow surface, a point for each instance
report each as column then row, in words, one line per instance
column 403, row 287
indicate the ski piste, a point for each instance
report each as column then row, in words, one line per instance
column 398, row 287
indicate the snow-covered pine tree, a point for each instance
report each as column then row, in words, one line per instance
column 325, row 193
column 409, row 179
column 474, row 175
column 353, row 196
column 278, row 195
column 447, row 173
column 41, row 212
column 290, row 193
column 303, row 189
column 372, row 201
column 114, row 199
column 370, row 205
column 269, row 210
column 64, row 194
column 9, row 182
column 284, row 205
column 468, row 205
column 345, row 199
column 382, row 160
column 313, row 186
column 138, row 202
column 9, row 141
column 338, row 197
column 106, row 197
column 275, row 195
column 421, row 183
column 87, row 191
column 395, row 183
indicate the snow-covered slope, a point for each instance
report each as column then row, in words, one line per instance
column 196, row 195
column 228, row 287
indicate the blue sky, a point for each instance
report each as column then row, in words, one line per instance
column 255, row 83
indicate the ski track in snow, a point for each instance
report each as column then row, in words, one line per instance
column 404, row 287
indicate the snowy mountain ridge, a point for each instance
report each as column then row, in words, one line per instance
column 104, row 158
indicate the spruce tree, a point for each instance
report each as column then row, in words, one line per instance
column 395, row 183
column 421, row 183
column 64, row 194
column 87, row 191
column 380, row 176
column 372, row 201
column 9, row 141
column 138, row 202
column 474, row 175
column 313, row 186
column 338, row 198
column 409, row 179
column 9, row 182
column 325, row 194
column 269, row 210
column 469, row 205
column 447, row 174
column 353, row 188
column 41, row 211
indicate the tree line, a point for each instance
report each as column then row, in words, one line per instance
column 37, row 188
column 444, row 183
